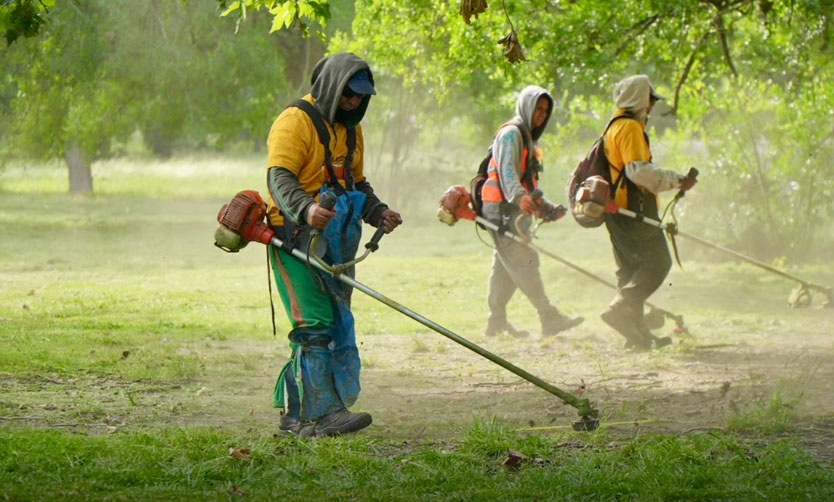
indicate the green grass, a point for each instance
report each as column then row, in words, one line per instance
column 184, row 464
column 136, row 354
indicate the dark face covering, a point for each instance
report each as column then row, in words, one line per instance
column 353, row 117
column 330, row 79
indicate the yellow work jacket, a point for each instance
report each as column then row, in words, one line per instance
column 294, row 144
column 625, row 141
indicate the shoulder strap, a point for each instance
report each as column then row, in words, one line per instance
column 324, row 138
column 620, row 172
column 531, row 152
column 351, row 144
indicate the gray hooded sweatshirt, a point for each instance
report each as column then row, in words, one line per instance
column 509, row 143
column 632, row 95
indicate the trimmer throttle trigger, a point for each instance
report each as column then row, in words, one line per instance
column 373, row 244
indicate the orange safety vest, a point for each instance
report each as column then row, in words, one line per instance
column 491, row 191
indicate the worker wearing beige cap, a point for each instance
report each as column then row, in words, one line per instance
column 640, row 250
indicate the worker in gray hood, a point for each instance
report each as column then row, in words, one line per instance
column 316, row 153
column 640, row 250
column 507, row 193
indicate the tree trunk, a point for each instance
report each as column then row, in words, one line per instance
column 80, row 174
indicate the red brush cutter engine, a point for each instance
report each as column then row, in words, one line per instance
column 241, row 222
column 589, row 206
column 455, row 204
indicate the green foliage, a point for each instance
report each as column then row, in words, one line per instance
column 56, row 98
column 767, row 173
column 286, row 14
column 23, row 18
column 177, row 74
column 209, row 87
column 585, row 46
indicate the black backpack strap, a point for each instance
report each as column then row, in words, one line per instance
column 351, row 144
column 324, row 138
column 620, row 172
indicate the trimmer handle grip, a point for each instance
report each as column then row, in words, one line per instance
column 328, row 200
column 692, row 174
column 373, row 244
column 536, row 194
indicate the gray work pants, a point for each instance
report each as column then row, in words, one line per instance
column 515, row 267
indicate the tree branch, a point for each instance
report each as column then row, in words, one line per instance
column 685, row 75
column 718, row 21
column 636, row 30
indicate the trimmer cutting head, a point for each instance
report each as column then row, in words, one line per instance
column 587, row 423
column 800, row 297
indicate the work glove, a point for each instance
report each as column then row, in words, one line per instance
column 688, row 182
column 551, row 212
column 528, row 204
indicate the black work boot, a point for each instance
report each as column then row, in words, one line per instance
column 289, row 424
column 494, row 329
column 341, row 422
column 625, row 322
column 306, row 430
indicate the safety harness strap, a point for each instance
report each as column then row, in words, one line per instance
column 324, row 138
column 620, row 172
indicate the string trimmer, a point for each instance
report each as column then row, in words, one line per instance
column 242, row 221
column 455, row 205
column 800, row 296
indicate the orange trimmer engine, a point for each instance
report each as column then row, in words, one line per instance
column 455, row 205
column 241, row 222
column 589, row 204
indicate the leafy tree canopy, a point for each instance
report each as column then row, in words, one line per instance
column 748, row 79
column 23, row 18
column 577, row 43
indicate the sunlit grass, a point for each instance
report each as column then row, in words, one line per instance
column 491, row 463
column 776, row 410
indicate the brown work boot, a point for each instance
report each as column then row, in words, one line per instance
column 555, row 324
column 627, row 326
column 494, row 329
column 658, row 341
column 662, row 341
column 341, row 422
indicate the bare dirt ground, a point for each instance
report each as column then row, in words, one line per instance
column 429, row 388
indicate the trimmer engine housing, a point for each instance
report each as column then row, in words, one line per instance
column 243, row 217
